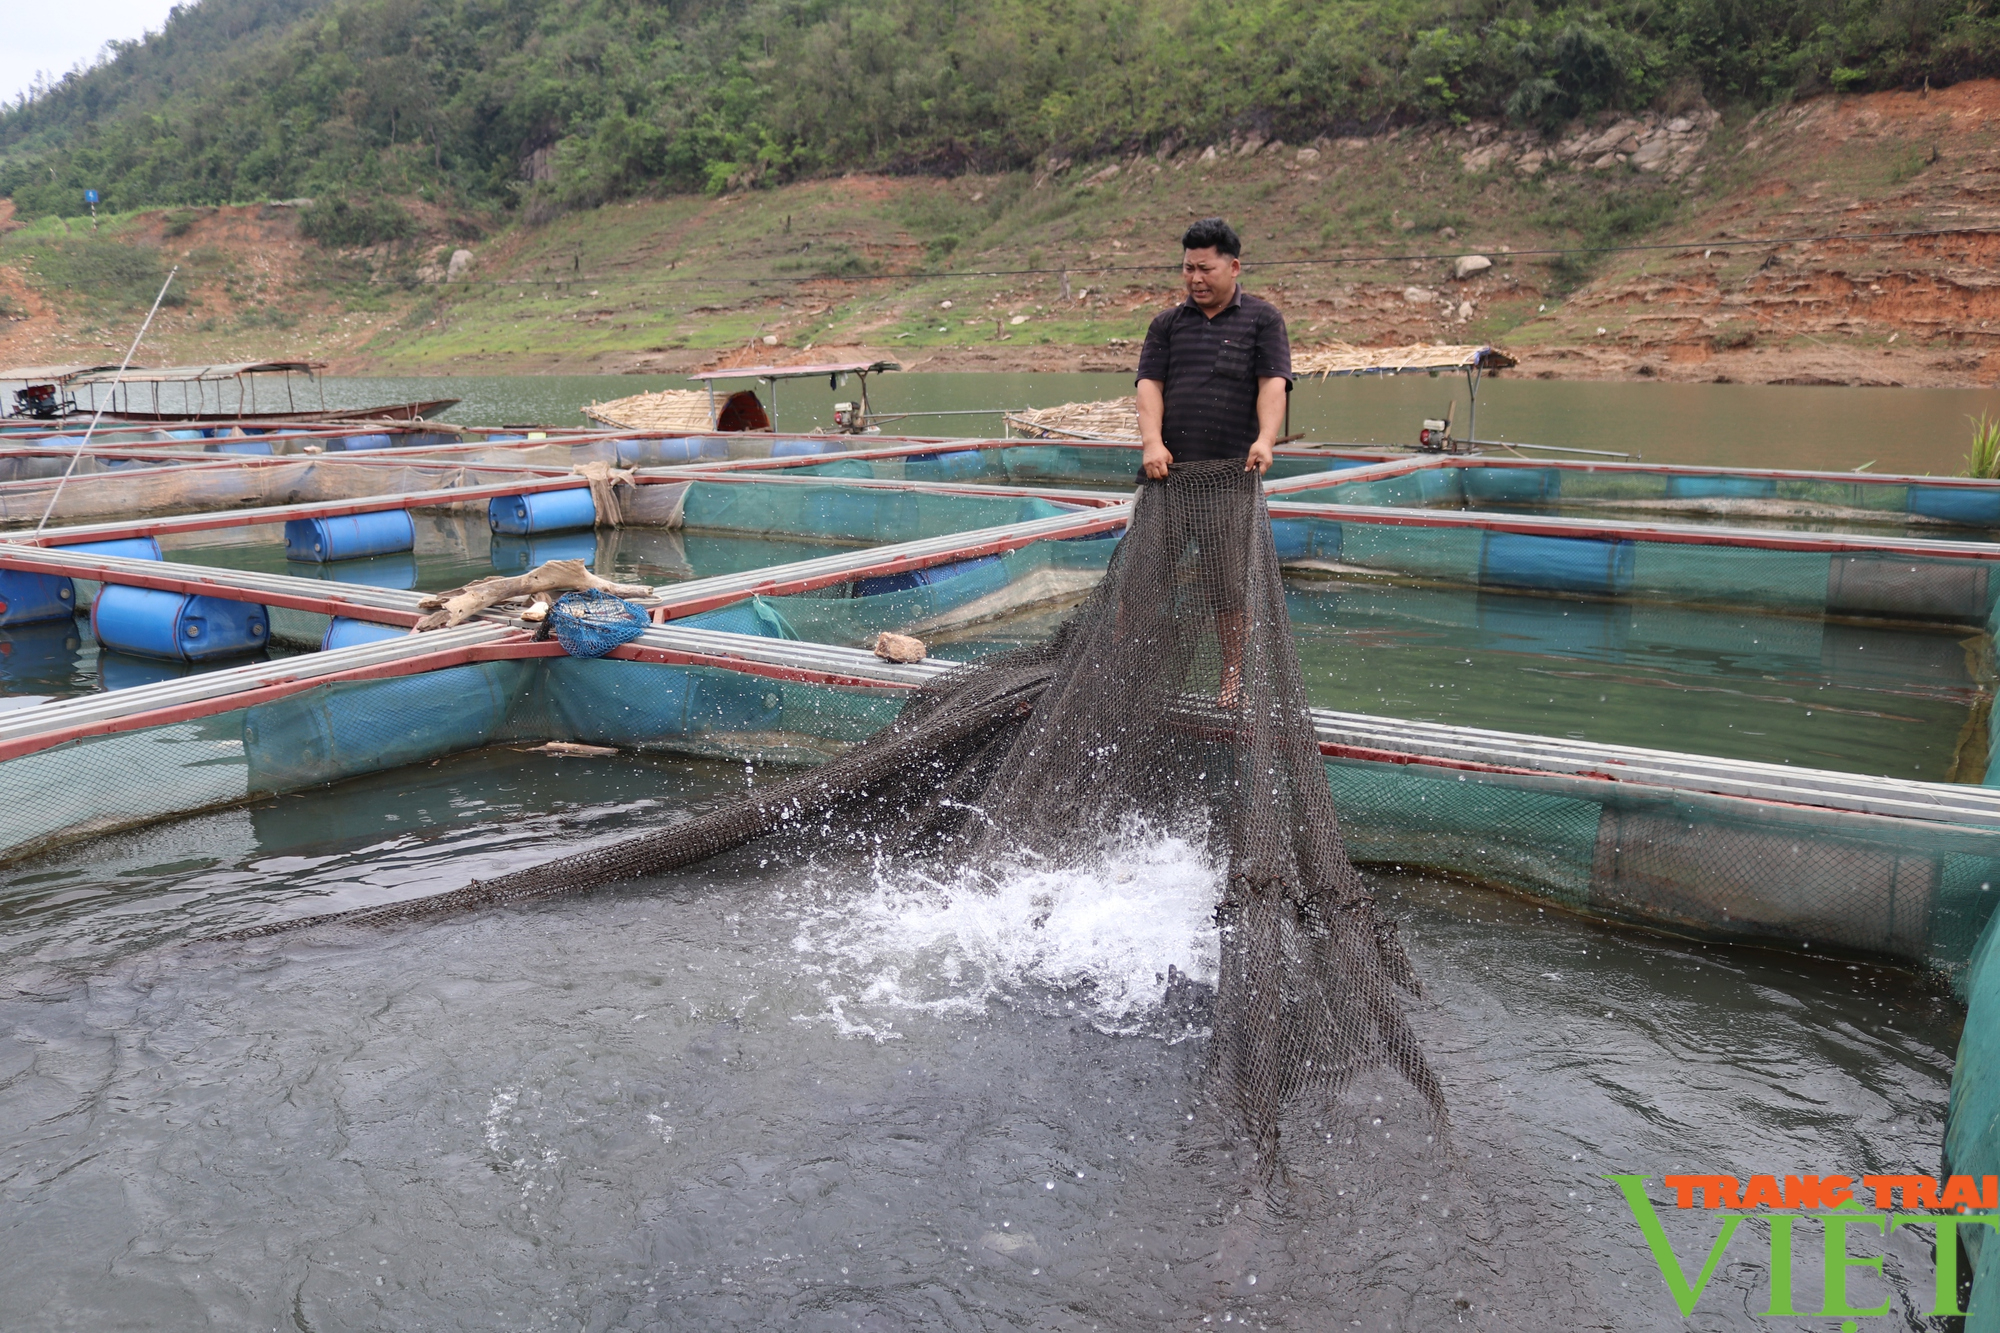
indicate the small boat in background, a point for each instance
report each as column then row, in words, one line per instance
column 263, row 391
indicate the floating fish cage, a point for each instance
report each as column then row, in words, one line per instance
column 1869, row 602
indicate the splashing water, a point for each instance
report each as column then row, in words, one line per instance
column 1097, row 940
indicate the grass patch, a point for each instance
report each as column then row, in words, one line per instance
column 835, row 261
column 105, row 273
column 1984, row 460
column 1733, row 337
column 344, row 224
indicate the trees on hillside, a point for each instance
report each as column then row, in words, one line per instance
column 573, row 103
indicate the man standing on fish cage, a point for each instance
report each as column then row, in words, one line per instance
column 1213, row 377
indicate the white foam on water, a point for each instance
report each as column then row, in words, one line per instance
column 1094, row 939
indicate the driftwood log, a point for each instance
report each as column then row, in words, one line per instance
column 459, row 605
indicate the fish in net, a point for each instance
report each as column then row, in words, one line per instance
column 1172, row 694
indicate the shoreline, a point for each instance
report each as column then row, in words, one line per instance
column 1827, row 365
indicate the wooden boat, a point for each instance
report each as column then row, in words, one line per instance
column 386, row 412
column 138, row 395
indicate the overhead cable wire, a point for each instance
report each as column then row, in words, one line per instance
column 91, row 429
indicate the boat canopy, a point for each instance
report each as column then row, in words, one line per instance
column 1331, row 359
column 196, row 374
column 797, row 372
column 52, row 374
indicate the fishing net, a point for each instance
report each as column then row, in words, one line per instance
column 591, row 624
column 1172, row 696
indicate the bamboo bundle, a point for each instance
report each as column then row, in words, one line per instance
column 667, row 410
column 1339, row 358
column 1115, row 419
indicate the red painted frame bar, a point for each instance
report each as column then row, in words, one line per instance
column 989, row 490
column 250, row 518
column 634, row 652
column 961, row 444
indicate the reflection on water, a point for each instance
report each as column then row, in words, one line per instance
column 1895, row 701
column 1735, row 425
column 452, row 551
column 62, row 659
column 1738, row 684
column 810, row 1096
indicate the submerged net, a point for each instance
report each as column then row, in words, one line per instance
column 1173, row 695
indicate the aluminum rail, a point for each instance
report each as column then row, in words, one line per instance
column 63, row 714
column 245, row 518
column 1685, row 534
column 1401, row 741
column 1027, row 491
column 394, row 606
column 1938, row 802
column 962, row 445
column 1393, row 467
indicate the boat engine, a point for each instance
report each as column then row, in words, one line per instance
column 43, row 402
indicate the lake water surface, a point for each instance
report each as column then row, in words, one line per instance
column 1738, row 425
column 813, row 1094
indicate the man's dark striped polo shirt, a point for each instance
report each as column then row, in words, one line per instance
column 1210, row 369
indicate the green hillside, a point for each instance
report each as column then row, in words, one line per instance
column 542, row 105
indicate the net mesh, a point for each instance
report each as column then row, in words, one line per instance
column 1174, row 696
column 591, row 624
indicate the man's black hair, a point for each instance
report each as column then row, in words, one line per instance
column 1213, row 233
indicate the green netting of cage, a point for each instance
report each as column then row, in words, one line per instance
column 834, row 512
column 1719, row 866
column 1034, row 464
column 1865, row 584
column 346, row 729
column 1917, row 892
column 1972, row 1122
column 949, row 596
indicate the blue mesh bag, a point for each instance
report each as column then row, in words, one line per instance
column 591, row 624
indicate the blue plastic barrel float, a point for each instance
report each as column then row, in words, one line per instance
column 1971, row 506
column 948, row 586
column 131, row 548
column 543, row 511
column 346, row 632
column 177, row 626
column 805, row 448
column 958, row 465
column 242, row 447
column 663, row 453
column 29, row 599
column 1556, row 564
column 355, row 443
column 350, row 536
